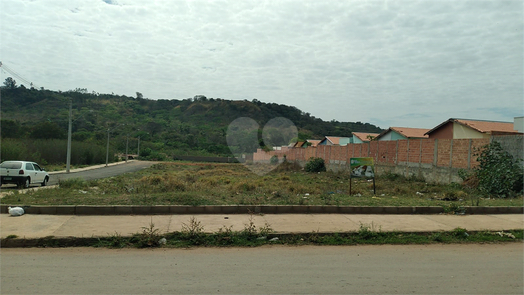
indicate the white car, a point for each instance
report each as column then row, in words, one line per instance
column 22, row 173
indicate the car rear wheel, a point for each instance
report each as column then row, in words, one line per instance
column 26, row 183
column 44, row 183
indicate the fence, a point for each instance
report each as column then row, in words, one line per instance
column 436, row 160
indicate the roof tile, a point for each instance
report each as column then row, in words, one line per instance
column 363, row 136
column 411, row 132
column 487, row 126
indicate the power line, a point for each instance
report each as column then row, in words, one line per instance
column 12, row 72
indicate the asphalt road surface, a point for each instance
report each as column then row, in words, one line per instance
column 103, row 172
column 415, row 269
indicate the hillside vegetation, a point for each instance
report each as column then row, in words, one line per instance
column 192, row 126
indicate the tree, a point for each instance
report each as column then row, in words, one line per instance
column 10, row 83
column 10, row 129
column 48, row 130
column 139, row 96
column 499, row 174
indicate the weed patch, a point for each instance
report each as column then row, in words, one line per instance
column 234, row 184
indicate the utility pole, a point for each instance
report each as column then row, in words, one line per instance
column 138, row 149
column 127, row 145
column 107, row 148
column 68, row 161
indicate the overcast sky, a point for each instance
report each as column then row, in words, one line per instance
column 389, row 63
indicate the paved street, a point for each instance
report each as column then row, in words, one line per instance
column 413, row 269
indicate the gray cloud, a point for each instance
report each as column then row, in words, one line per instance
column 380, row 62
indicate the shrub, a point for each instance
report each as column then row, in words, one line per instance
column 315, row 165
column 499, row 174
column 274, row 160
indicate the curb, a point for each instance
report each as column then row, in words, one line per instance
column 60, row 242
column 242, row 209
column 90, row 167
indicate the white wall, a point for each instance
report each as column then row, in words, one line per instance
column 518, row 124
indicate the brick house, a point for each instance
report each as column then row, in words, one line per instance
column 464, row 129
column 333, row 140
column 400, row 133
column 361, row 137
column 313, row 142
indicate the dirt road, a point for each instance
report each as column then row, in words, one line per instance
column 426, row 269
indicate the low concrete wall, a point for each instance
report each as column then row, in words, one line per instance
column 240, row 209
column 429, row 172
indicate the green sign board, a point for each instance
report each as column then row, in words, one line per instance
column 362, row 167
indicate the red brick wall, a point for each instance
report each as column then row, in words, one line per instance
column 443, row 152
column 421, row 151
column 428, row 151
column 460, row 153
column 402, row 155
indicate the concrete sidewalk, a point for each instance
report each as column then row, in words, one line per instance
column 40, row 225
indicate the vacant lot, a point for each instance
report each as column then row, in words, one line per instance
column 226, row 184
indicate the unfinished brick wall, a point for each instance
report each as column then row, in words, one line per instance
column 452, row 154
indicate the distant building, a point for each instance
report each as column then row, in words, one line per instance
column 313, row 142
column 300, row 144
column 333, row 140
column 361, row 137
column 465, row 128
column 400, row 133
column 518, row 124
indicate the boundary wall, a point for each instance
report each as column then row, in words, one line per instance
column 436, row 160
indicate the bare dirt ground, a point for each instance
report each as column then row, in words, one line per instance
column 425, row 269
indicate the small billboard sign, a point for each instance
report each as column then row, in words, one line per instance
column 362, row 167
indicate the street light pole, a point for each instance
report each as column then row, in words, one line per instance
column 68, row 161
column 127, row 145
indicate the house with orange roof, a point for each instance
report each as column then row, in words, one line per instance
column 313, row 142
column 334, row 140
column 361, row 137
column 400, row 133
column 464, row 128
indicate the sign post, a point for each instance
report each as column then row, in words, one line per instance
column 361, row 168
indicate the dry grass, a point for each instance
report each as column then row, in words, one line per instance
column 227, row 184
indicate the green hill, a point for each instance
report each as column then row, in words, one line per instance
column 193, row 126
